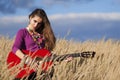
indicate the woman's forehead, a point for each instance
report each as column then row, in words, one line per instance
column 37, row 18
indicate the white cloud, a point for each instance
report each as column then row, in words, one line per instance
column 89, row 25
column 8, row 20
column 99, row 21
column 62, row 19
column 105, row 16
column 54, row 2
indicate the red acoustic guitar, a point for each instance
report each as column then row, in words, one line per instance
column 13, row 60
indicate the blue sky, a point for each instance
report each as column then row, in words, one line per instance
column 83, row 19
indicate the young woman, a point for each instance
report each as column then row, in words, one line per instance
column 37, row 35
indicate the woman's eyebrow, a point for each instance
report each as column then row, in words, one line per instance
column 37, row 21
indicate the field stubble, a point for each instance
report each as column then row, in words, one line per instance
column 104, row 66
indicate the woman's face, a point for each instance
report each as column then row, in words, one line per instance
column 35, row 22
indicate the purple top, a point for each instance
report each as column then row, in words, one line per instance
column 24, row 41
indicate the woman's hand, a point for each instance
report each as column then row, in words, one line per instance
column 69, row 59
column 32, row 63
column 27, row 60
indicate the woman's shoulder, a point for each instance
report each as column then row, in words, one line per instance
column 22, row 31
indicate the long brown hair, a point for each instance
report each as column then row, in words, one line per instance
column 45, row 28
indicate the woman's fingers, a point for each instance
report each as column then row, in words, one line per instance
column 69, row 59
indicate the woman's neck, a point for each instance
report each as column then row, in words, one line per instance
column 30, row 28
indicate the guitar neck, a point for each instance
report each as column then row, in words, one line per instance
column 87, row 54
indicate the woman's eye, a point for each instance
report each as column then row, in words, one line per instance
column 39, row 23
column 35, row 21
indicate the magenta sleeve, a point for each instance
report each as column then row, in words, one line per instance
column 18, row 41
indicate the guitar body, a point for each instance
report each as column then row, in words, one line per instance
column 13, row 60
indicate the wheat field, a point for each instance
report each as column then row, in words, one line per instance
column 104, row 66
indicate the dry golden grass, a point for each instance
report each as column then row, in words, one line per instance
column 104, row 66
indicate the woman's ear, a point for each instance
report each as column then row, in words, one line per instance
column 30, row 18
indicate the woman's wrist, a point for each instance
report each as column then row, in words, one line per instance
column 20, row 54
column 27, row 59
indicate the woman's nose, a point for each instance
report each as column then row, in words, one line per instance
column 36, row 24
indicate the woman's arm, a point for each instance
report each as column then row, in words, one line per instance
column 18, row 44
column 20, row 54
